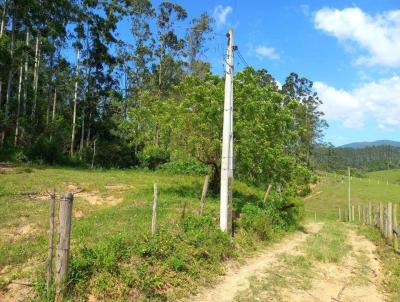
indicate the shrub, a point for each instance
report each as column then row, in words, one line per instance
column 190, row 167
column 153, row 156
column 256, row 219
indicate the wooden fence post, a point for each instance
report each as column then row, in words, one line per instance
column 154, row 216
column 381, row 224
column 315, row 216
column 64, row 235
column 359, row 214
column 204, row 193
column 340, row 214
column 385, row 221
column 51, row 242
column 352, row 213
column 375, row 211
column 267, row 192
column 363, row 215
column 370, row 213
column 366, row 215
column 390, row 221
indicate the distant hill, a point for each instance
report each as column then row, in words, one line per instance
column 359, row 145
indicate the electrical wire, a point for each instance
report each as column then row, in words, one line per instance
column 242, row 58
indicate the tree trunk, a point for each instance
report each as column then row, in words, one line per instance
column 54, row 105
column 49, row 89
column 18, row 107
column 2, row 26
column 25, row 75
column 10, row 78
column 10, row 71
column 3, row 19
column 75, row 99
column 35, row 79
column 82, row 133
column 215, row 179
column 88, row 130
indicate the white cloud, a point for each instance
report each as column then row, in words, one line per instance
column 221, row 13
column 378, row 36
column 266, row 52
column 378, row 100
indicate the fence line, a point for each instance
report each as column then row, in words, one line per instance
column 382, row 216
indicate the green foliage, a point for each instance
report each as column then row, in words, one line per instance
column 255, row 219
column 153, row 156
column 195, row 246
column 191, row 167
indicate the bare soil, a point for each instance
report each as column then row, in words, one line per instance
column 236, row 278
column 359, row 277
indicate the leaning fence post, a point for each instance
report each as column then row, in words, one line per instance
column 390, row 221
column 154, row 216
column 204, row 193
column 267, row 192
column 64, row 235
column 51, row 242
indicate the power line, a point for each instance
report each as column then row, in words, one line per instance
column 241, row 57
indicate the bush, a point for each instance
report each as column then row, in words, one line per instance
column 190, row 167
column 46, row 150
column 255, row 219
column 153, row 156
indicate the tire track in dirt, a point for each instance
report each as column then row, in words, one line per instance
column 357, row 277
column 237, row 278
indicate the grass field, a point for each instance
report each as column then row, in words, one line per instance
column 111, row 246
column 391, row 176
column 332, row 192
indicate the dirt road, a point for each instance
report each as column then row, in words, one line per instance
column 307, row 266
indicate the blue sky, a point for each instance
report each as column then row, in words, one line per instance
column 350, row 49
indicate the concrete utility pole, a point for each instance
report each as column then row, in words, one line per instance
column 348, row 170
column 227, row 142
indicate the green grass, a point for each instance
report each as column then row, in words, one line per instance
column 332, row 192
column 113, row 255
column 391, row 176
column 329, row 245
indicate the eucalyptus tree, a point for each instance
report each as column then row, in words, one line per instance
column 199, row 32
column 308, row 118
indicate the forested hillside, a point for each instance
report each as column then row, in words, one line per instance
column 72, row 91
column 367, row 159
